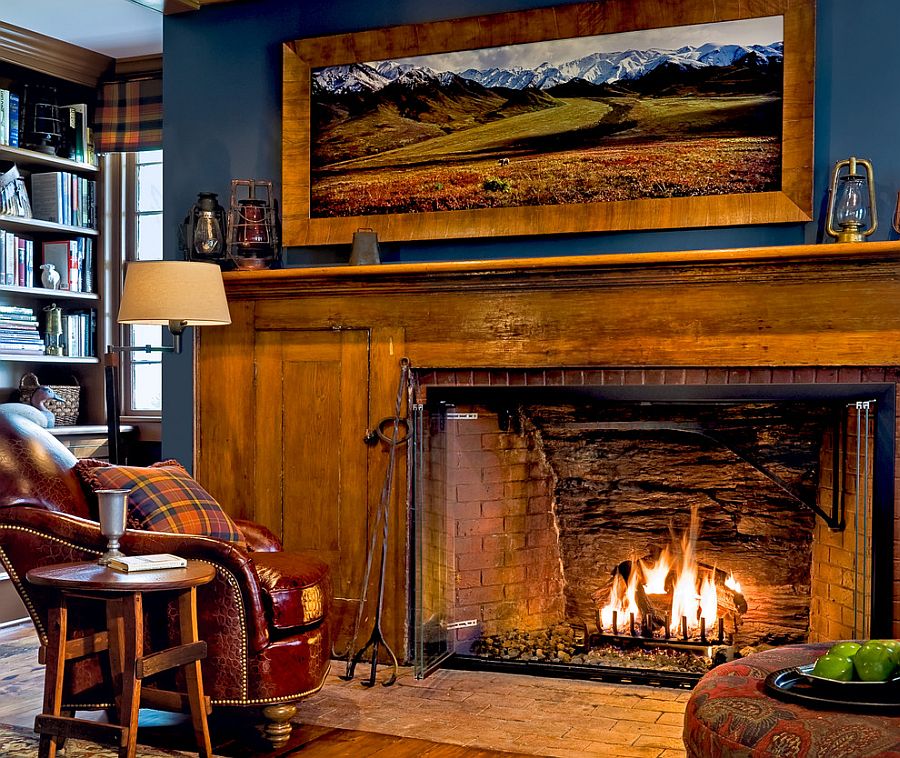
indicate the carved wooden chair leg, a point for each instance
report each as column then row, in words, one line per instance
column 278, row 723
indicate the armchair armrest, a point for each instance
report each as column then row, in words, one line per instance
column 259, row 538
column 34, row 515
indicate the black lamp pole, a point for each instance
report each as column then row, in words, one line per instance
column 111, row 376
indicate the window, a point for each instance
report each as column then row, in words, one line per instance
column 142, row 240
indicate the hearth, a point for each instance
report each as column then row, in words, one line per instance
column 642, row 533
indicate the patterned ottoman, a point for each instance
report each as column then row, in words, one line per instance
column 731, row 715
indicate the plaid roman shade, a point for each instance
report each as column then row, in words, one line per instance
column 129, row 116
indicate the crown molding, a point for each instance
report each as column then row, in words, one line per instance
column 139, row 65
column 51, row 56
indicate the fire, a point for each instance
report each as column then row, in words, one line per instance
column 622, row 602
column 655, row 575
column 694, row 594
column 709, row 601
column 732, row 583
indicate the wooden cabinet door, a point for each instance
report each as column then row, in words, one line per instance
column 312, row 390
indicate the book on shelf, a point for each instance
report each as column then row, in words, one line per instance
column 153, row 562
column 13, row 195
column 16, row 260
column 17, row 310
column 14, row 117
column 64, row 198
column 74, row 137
column 4, row 116
column 74, row 262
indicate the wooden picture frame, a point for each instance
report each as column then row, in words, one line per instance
column 790, row 202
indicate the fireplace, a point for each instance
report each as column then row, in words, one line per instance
column 612, row 524
column 320, row 348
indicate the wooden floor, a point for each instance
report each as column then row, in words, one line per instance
column 21, row 681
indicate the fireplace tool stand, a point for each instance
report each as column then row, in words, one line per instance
column 376, row 639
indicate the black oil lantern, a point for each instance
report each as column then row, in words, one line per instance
column 252, row 224
column 203, row 230
column 42, row 124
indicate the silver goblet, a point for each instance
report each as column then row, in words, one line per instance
column 112, row 521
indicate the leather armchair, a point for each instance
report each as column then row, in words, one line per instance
column 264, row 616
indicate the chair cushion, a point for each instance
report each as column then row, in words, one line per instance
column 296, row 586
column 163, row 497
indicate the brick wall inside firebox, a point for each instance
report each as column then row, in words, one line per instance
column 508, row 571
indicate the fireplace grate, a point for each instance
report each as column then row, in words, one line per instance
column 619, row 675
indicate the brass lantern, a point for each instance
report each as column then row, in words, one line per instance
column 852, row 214
column 53, row 344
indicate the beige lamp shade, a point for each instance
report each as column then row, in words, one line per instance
column 161, row 292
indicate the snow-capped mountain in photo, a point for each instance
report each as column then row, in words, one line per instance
column 596, row 68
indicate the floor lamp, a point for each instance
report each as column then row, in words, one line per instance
column 176, row 294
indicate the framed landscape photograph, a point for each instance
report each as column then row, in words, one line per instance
column 600, row 116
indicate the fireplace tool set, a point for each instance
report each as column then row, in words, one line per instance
column 376, row 638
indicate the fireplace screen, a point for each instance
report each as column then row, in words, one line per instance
column 623, row 537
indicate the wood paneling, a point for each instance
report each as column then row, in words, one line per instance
column 311, row 403
column 792, row 203
column 789, row 306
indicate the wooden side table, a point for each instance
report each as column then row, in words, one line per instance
column 124, row 640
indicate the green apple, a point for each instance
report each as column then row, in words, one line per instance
column 894, row 647
column 834, row 667
column 874, row 662
column 845, row 649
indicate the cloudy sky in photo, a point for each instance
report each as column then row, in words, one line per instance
column 756, row 31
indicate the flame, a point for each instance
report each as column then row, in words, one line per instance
column 623, row 603
column 693, row 596
column 685, row 600
column 655, row 575
column 709, row 601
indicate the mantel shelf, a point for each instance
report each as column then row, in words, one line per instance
column 734, row 264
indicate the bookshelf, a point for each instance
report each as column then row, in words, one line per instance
column 41, row 63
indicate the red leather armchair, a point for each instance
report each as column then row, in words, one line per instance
column 264, row 616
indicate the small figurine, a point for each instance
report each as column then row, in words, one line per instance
column 35, row 410
column 49, row 276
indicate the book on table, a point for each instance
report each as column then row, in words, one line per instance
column 152, row 562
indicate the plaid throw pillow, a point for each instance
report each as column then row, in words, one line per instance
column 164, row 497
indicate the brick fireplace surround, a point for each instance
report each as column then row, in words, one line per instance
column 784, row 316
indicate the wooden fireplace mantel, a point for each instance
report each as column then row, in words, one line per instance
column 732, row 264
column 310, row 363
column 791, row 305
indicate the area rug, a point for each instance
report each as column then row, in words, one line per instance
column 21, row 742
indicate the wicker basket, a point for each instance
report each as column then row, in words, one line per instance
column 66, row 409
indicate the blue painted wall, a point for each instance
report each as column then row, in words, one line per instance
column 223, row 120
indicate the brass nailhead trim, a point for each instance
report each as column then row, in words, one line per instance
column 20, row 585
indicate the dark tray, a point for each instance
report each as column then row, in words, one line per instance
column 797, row 685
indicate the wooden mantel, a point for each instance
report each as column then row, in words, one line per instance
column 791, row 305
column 286, row 393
